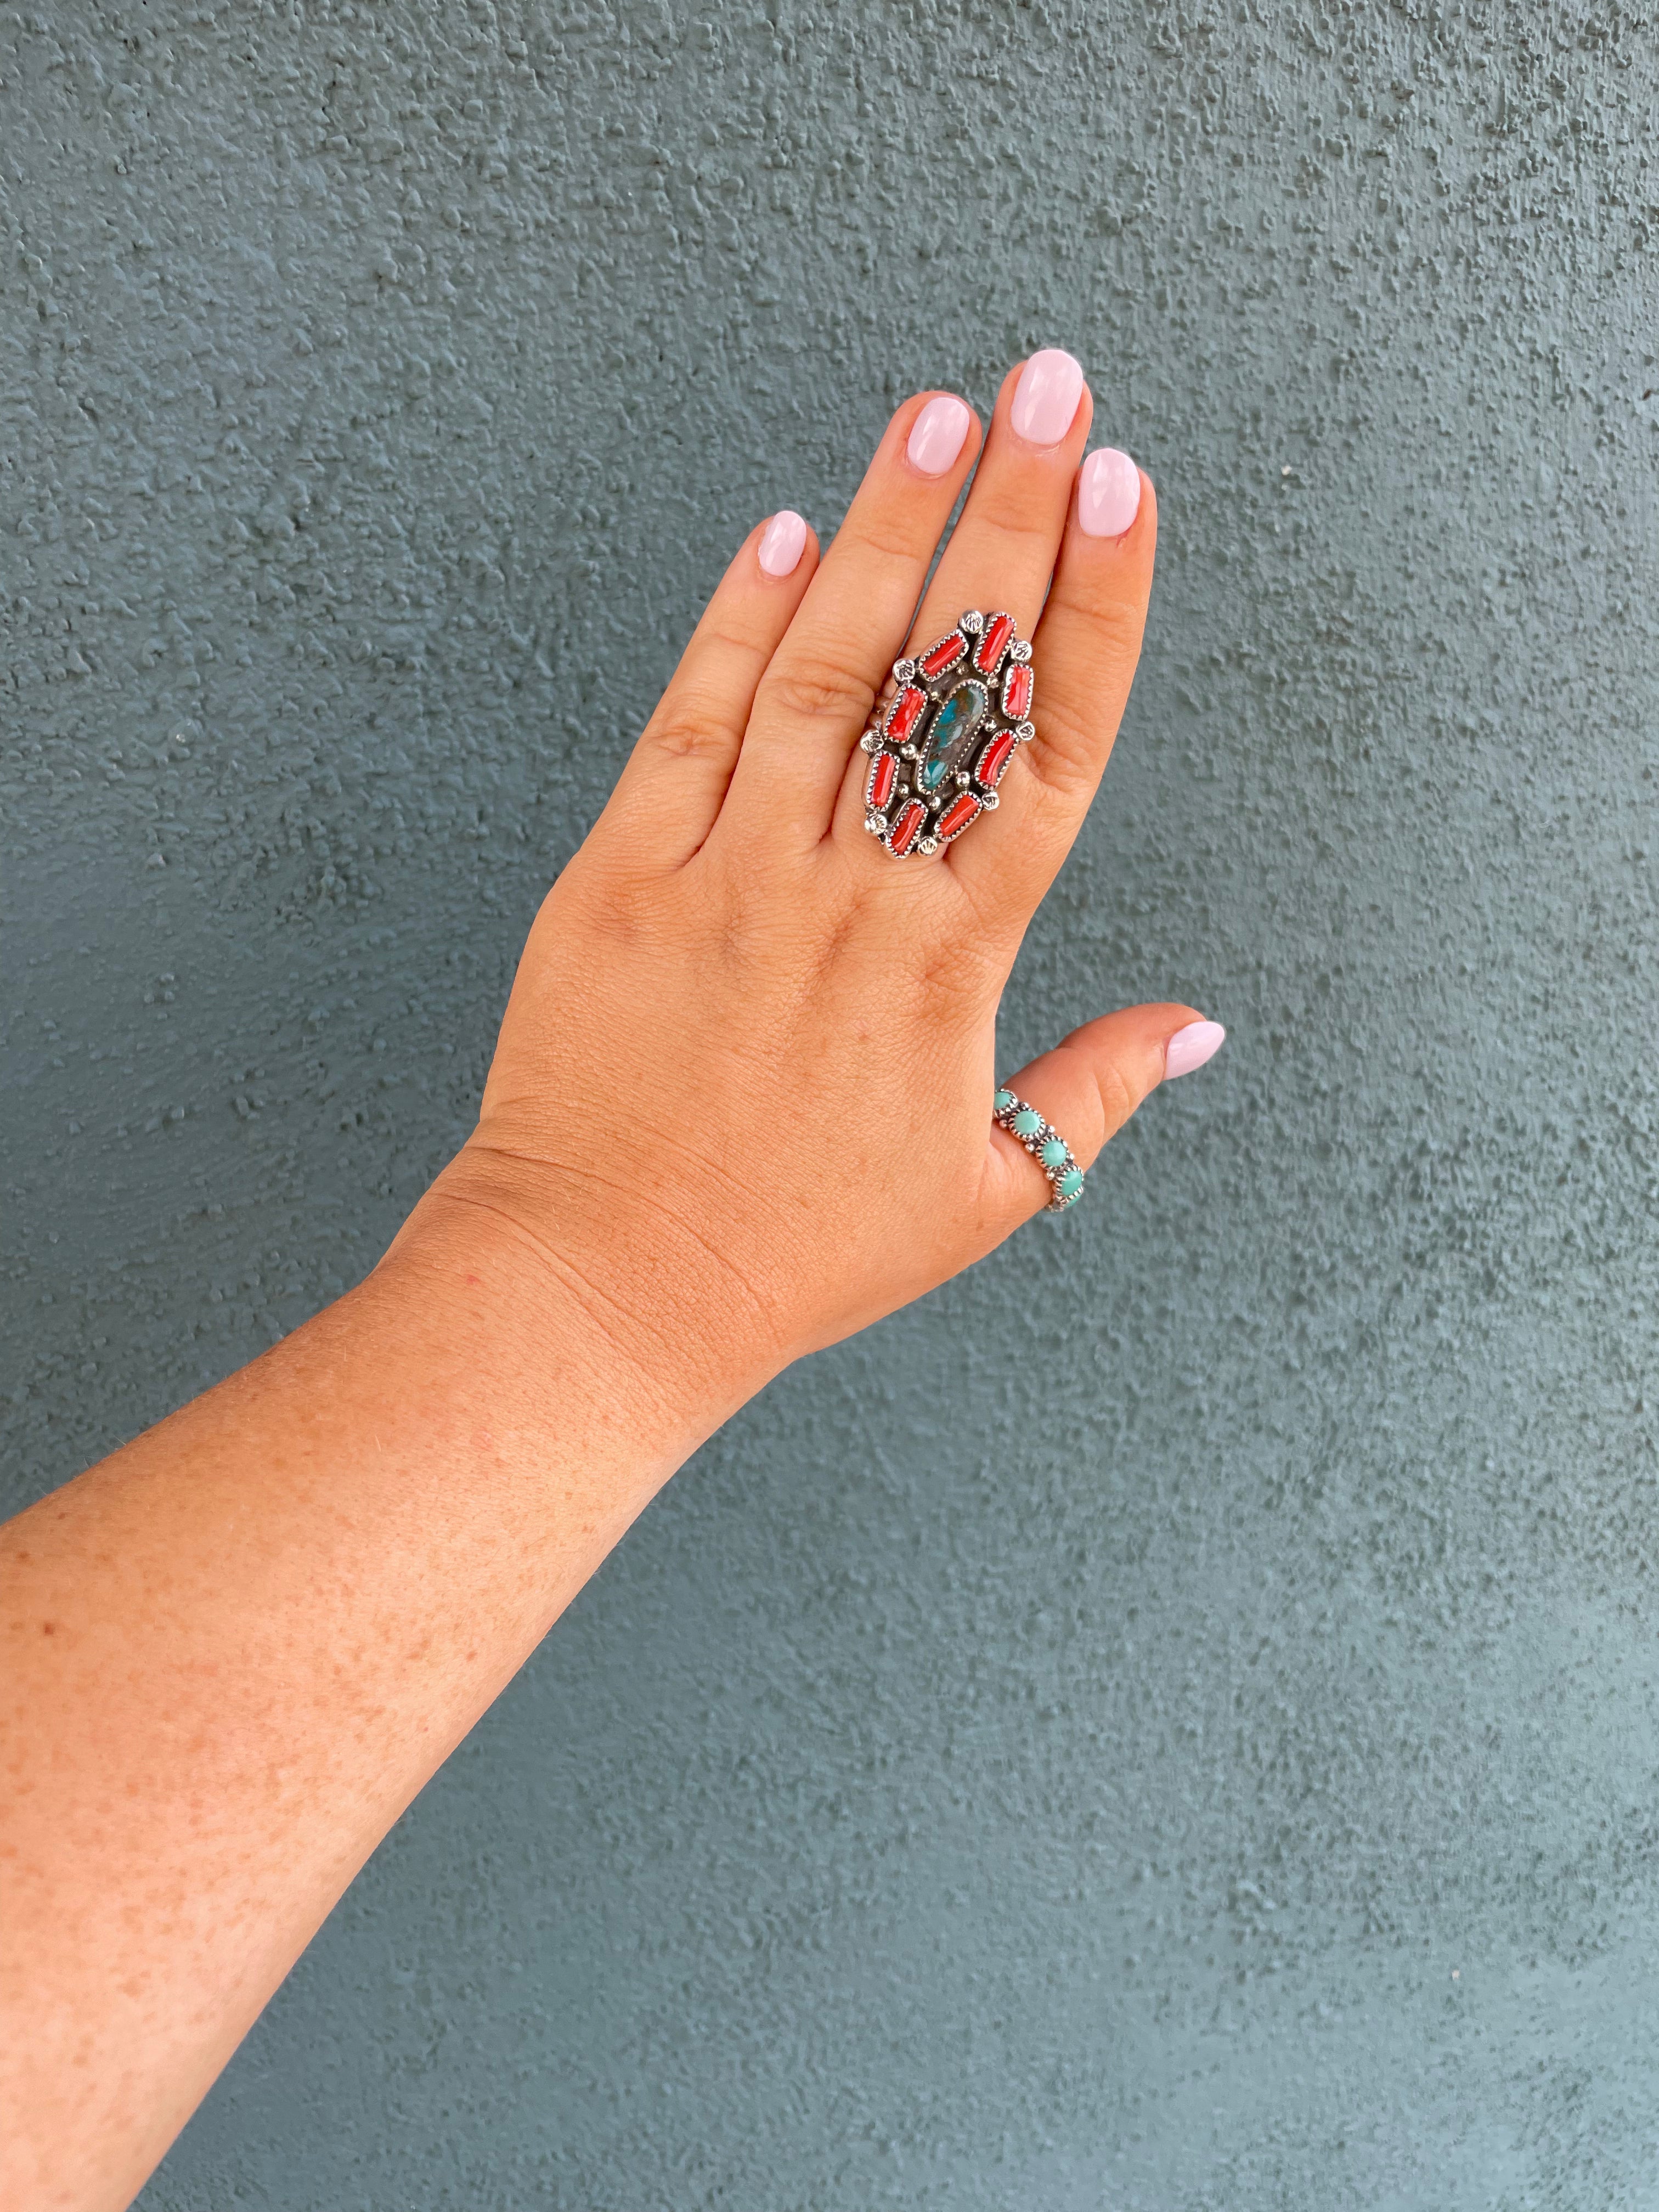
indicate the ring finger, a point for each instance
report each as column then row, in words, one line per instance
column 1086, row 648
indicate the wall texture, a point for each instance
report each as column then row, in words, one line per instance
column 1206, row 1755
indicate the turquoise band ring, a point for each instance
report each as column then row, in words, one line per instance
column 1046, row 1146
column 940, row 745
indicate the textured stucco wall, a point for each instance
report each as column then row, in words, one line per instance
column 1191, row 1741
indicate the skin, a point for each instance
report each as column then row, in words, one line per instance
column 238, row 1648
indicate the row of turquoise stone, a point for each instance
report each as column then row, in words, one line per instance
column 1047, row 1147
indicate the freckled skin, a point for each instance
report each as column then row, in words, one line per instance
column 284, row 1605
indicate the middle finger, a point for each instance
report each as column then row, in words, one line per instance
column 1001, row 554
column 813, row 699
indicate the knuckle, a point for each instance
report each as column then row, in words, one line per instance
column 731, row 655
column 956, row 973
column 1112, row 625
column 1000, row 512
column 815, row 689
column 1118, row 1098
column 725, row 639
column 1068, row 753
column 1106, row 1098
column 685, row 731
column 877, row 538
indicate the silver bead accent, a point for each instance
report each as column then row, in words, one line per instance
column 904, row 671
column 871, row 741
column 990, row 802
column 876, row 824
column 907, row 752
column 928, row 844
column 972, row 622
column 1024, row 734
column 1020, row 649
column 962, row 777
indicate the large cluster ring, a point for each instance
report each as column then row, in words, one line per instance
column 1046, row 1146
column 950, row 730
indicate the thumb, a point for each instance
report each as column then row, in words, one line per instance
column 1086, row 1088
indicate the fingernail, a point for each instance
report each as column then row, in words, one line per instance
column 1108, row 494
column 782, row 543
column 1045, row 399
column 937, row 434
column 1190, row 1047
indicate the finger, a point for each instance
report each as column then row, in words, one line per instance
column 1001, row 553
column 1086, row 1088
column 670, row 792
column 815, row 696
column 1084, row 657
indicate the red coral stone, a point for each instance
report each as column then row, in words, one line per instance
column 957, row 816
column 902, row 835
column 883, row 770
column 994, row 758
column 1016, row 691
column 905, row 713
column 945, row 654
column 994, row 641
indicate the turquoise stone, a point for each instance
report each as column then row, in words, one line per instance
column 1026, row 1123
column 1070, row 1183
column 1053, row 1154
column 961, row 714
column 1004, row 1101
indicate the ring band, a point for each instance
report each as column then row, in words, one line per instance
column 943, row 741
column 1046, row 1146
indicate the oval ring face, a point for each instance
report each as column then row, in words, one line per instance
column 942, row 745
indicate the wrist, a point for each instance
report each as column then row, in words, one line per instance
column 570, row 1314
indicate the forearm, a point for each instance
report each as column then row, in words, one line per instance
column 743, row 1102
column 240, row 1645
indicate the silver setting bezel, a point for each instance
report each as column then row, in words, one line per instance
column 979, row 808
column 872, row 806
column 956, row 636
column 1046, row 1133
column 993, row 676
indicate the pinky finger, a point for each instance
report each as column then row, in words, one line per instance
column 1086, row 1088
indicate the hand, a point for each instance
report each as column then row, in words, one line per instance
column 741, row 1106
column 741, row 1103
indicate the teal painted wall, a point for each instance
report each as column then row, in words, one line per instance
column 1170, row 1722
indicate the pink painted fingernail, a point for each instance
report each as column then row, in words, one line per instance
column 1190, row 1047
column 782, row 543
column 937, row 434
column 1108, row 494
column 1045, row 399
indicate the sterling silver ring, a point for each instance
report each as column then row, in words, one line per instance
column 1046, row 1146
column 940, row 747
